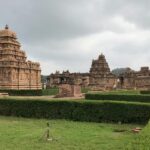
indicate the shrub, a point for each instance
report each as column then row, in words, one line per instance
column 94, row 111
column 52, row 91
column 22, row 92
column 145, row 92
column 118, row 97
column 85, row 90
column 133, row 92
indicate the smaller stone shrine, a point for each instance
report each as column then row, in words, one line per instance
column 67, row 88
column 100, row 77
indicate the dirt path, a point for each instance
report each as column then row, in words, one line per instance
column 52, row 97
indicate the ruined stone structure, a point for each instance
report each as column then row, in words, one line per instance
column 15, row 71
column 68, row 88
column 77, row 78
column 99, row 77
column 136, row 79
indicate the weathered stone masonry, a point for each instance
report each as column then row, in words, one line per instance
column 15, row 71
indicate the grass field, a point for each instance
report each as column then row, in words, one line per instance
column 26, row 134
column 141, row 141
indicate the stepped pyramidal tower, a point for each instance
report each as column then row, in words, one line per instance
column 100, row 77
column 100, row 66
column 15, row 71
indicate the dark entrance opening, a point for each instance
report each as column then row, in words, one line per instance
column 65, row 80
column 121, row 81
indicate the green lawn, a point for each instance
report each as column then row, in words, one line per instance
column 141, row 141
column 25, row 134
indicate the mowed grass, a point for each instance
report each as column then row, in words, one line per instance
column 142, row 140
column 26, row 134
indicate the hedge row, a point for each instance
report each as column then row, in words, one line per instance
column 117, row 97
column 91, row 111
column 22, row 92
column 52, row 91
column 145, row 92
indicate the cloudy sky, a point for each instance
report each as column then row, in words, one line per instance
column 68, row 34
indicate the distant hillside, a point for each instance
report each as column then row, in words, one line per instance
column 43, row 78
column 119, row 71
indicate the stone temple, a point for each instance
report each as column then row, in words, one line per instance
column 15, row 71
column 98, row 78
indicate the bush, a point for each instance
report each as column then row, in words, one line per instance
column 85, row 90
column 52, row 91
column 131, row 92
column 94, row 111
column 144, row 92
column 117, row 97
column 22, row 92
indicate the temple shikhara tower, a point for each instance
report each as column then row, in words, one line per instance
column 15, row 71
column 100, row 66
column 100, row 76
